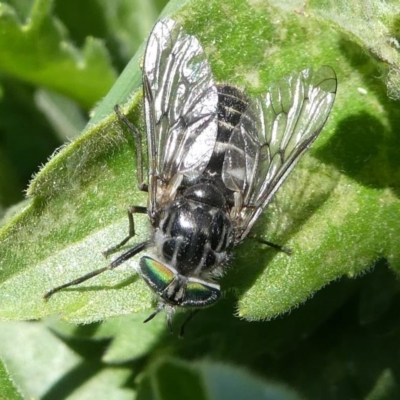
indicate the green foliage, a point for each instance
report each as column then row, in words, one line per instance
column 7, row 388
column 338, row 210
column 38, row 51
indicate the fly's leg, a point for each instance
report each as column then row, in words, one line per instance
column 183, row 326
column 170, row 311
column 273, row 245
column 131, row 210
column 142, row 185
column 138, row 144
column 121, row 259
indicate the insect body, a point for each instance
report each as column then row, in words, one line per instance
column 216, row 158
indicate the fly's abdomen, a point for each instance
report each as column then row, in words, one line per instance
column 232, row 103
column 194, row 237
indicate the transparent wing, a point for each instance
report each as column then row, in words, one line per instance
column 180, row 100
column 273, row 133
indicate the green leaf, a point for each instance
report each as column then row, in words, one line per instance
column 26, row 139
column 338, row 210
column 38, row 51
column 102, row 149
column 131, row 338
column 7, row 387
column 59, row 370
column 63, row 114
column 173, row 380
column 354, row 357
column 374, row 26
column 328, row 336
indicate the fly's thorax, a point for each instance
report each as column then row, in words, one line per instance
column 195, row 233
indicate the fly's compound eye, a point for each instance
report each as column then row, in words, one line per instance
column 157, row 275
column 177, row 289
column 200, row 293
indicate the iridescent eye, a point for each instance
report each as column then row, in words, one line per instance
column 157, row 275
column 200, row 293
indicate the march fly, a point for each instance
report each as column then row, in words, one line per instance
column 216, row 157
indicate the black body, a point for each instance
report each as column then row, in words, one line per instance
column 195, row 231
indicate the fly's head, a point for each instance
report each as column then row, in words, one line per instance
column 175, row 289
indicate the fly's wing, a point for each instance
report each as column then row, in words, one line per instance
column 180, row 100
column 273, row 133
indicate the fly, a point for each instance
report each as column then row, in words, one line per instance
column 216, row 159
